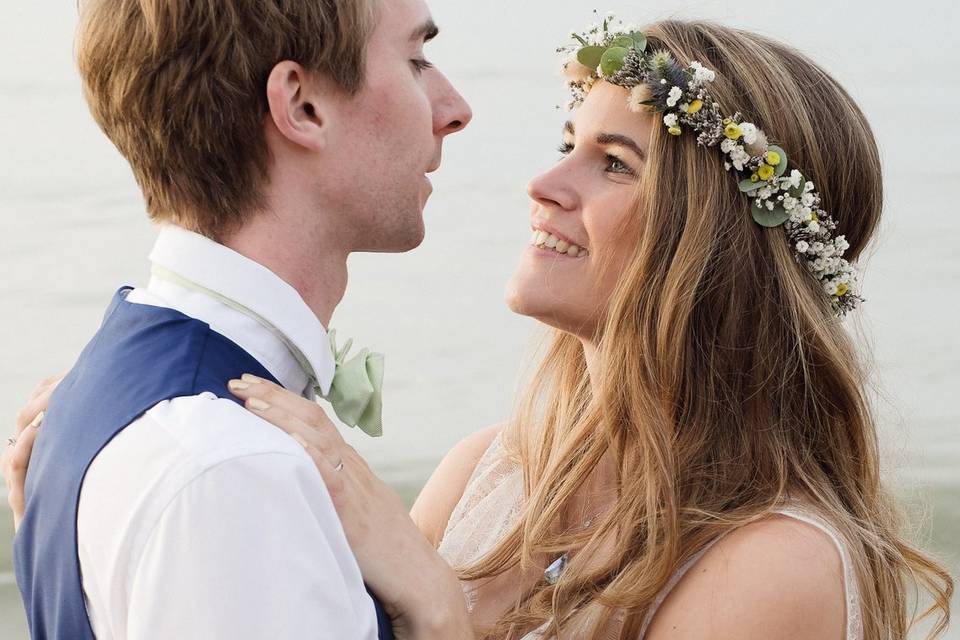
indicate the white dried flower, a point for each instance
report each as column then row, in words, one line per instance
column 802, row 247
column 702, row 75
column 670, row 119
column 749, row 132
column 674, row 96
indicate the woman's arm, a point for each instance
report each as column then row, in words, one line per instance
column 446, row 485
column 419, row 590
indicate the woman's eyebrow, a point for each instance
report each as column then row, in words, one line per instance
column 621, row 140
column 611, row 138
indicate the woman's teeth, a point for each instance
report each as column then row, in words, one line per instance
column 549, row 241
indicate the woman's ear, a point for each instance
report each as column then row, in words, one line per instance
column 300, row 108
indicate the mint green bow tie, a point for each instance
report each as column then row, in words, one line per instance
column 356, row 390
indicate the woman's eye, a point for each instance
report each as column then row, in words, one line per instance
column 616, row 165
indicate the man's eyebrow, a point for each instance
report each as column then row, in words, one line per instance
column 623, row 141
column 425, row 32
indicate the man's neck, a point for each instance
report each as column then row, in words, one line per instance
column 312, row 264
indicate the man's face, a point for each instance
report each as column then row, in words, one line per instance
column 392, row 132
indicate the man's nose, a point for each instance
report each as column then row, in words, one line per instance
column 451, row 112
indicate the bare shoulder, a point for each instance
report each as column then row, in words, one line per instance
column 443, row 490
column 776, row 578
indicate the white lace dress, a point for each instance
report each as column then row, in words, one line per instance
column 491, row 504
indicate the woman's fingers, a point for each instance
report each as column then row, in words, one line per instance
column 333, row 477
column 251, row 388
column 38, row 402
column 302, row 432
column 16, row 459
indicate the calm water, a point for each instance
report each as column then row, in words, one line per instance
column 73, row 229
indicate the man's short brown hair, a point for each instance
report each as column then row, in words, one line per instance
column 179, row 86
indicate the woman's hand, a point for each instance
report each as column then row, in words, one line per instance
column 418, row 589
column 16, row 457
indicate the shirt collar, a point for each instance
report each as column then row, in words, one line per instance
column 248, row 283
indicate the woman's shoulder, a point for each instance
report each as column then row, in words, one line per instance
column 778, row 577
column 446, row 485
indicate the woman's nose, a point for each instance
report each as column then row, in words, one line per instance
column 553, row 189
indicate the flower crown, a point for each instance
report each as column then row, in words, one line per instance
column 616, row 53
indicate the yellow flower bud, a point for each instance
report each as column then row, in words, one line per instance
column 765, row 172
column 727, row 121
column 695, row 106
column 773, row 158
column 754, row 178
column 674, row 131
column 842, row 290
column 732, row 131
column 814, row 217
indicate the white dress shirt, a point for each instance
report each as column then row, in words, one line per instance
column 201, row 520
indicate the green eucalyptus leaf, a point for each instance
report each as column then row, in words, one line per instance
column 766, row 218
column 640, row 39
column 612, row 60
column 623, row 41
column 590, row 56
column 749, row 186
column 782, row 167
column 581, row 40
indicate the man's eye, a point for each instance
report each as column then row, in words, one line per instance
column 421, row 64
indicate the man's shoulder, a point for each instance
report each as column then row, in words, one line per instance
column 174, row 444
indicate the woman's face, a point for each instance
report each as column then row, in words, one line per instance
column 577, row 252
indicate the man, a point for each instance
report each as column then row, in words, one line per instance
column 271, row 139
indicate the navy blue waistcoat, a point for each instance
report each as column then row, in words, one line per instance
column 141, row 355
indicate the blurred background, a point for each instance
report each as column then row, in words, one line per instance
column 74, row 229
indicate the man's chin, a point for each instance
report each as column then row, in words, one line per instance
column 396, row 241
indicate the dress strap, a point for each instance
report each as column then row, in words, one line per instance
column 851, row 587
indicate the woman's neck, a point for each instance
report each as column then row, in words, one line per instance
column 592, row 357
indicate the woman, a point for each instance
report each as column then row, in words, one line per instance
column 696, row 457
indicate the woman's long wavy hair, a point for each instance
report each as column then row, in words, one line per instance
column 725, row 383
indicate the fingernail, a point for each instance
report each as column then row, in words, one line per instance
column 38, row 420
column 257, row 404
column 236, row 385
column 252, row 379
column 299, row 438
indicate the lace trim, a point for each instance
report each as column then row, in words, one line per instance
column 489, row 507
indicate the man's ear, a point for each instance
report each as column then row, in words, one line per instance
column 301, row 105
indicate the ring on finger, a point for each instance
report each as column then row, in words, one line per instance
column 11, row 441
column 339, row 466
